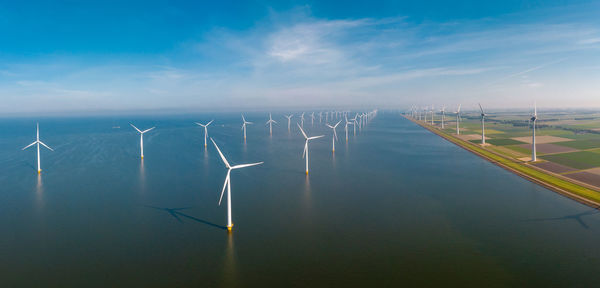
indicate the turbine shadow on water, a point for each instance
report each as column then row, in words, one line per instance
column 577, row 217
column 176, row 212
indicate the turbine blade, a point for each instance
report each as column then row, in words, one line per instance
column 199, row 124
column 246, row 165
column 305, row 147
column 209, row 122
column 29, row 145
column 135, row 128
column 46, row 145
column 224, row 185
column 315, row 137
column 221, row 154
column 301, row 130
column 480, row 108
column 148, row 130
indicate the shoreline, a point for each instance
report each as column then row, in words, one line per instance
column 578, row 192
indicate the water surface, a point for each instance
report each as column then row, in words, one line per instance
column 396, row 205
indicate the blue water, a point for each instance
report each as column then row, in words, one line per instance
column 396, row 205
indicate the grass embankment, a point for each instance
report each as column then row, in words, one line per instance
column 570, row 189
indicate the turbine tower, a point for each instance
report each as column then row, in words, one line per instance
column 533, row 119
column 305, row 153
column 458, row 120
column 270, row 123
column 432, row 112
column 346, row 127
column 228, row 183
column 205, row 130
column 482, row 125
column 334, row 134
column 38, row 142
column 443, row 115
column 141, row 138
column 244, row 125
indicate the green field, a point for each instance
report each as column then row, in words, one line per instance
column 504, row 142
column 578, row 160
column 519, row 149
column 581, row 144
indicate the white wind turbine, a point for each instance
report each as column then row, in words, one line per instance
column 244, row 125
column 270, row 123
column 205, row 130
column 289, row 117
column 312, row 117
column 359, row 121
column 482, row 125
column 458, row 120
column 305, row 153
column 346, row 127
column 141, row 138
column 353, row 120
column 334, row 134
column 443, row 115
column 432, row 113
column 38, row 142
column 533, row 119
column 302, row 119
column 228, row 183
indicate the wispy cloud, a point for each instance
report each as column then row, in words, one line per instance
column 308, row 61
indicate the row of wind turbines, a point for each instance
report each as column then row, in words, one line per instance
column 361, row 120
column 422, row 116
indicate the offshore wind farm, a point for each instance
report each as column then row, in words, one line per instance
column 195, row 144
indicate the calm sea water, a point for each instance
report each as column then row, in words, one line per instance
column 396, row 205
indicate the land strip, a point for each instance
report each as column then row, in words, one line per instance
column 578, row 191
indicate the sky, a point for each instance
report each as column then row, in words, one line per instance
column 88, row 56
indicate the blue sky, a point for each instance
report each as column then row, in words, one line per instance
column 84, row 56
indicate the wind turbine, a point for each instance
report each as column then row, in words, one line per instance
column 346, row 127
column 302, row 119
column 305, row 153
column 38, row 142
column 432, row 112
column 354, row 124
column 443, row 115
column 359, row 121
column 533, row 119
column 289, row 117
column 244, row 125
column 205, row 129
column 312, row 117
column 458, row 120
column 482, row 125
column 334, row 134
column 141, row 138
column 228, row 183
column 270, row 123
